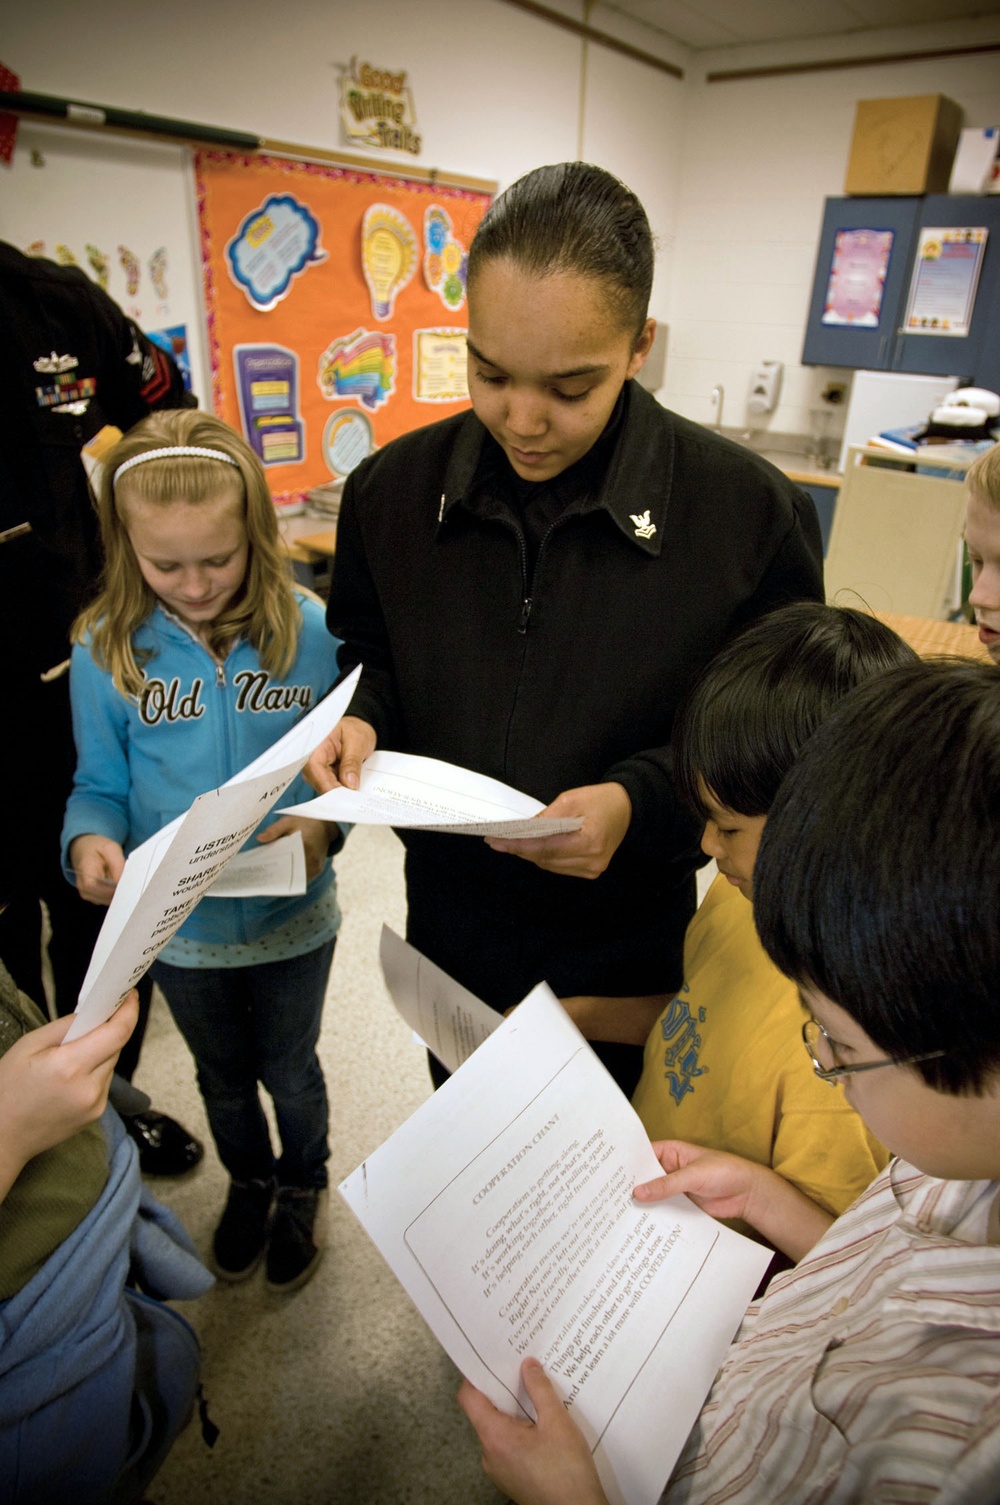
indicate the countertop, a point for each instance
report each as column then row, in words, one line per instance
column 831, row 478
column 799, row 468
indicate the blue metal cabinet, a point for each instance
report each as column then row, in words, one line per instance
column 867, row 349
column 825, row 499
column 976, row 355
column 888, row 347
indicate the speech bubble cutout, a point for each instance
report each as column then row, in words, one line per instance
column 273, row 244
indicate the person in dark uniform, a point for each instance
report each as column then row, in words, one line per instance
column 532, row 587
column 70, row 363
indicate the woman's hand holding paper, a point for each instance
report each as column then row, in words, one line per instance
column 606, row 811
column 337, row 760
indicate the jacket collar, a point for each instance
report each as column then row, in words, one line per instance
column 635, row 491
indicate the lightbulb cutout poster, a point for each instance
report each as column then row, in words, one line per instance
column 325, row 302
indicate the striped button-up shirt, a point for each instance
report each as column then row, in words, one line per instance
column 871, row 1372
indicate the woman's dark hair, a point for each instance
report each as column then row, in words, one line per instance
column 878, row 875
column 573, row 217
column 743, row 724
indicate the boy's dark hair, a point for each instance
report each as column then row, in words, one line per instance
column 573, row 217
column 743, row 724
column 879, row 870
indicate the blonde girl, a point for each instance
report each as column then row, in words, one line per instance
column 197, row 654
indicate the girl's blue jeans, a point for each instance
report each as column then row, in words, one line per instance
column 250, row 1025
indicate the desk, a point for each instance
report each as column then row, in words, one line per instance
column 305, row 540
column 309, row 548
column 931, row 639
column 322, row 544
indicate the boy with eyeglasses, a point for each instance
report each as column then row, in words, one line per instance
column 870, row 1372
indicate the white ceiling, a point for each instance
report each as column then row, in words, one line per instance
column 704, row 24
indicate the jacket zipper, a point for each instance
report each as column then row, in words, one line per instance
column 220, row 685
column 228, row 737
column 528, row 600
column 227, row 731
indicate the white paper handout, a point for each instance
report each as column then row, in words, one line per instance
column 276, row 868
column 504, row 1207
column 400, row 789
column 165, row 877
column 451, row 1021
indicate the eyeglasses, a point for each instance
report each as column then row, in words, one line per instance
column 813, row 1032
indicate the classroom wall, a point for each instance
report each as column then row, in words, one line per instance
column 120, row 207
column 758, row 158
column 496, row 91
column 733, row 175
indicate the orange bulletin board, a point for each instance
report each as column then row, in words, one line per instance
column 336, row 308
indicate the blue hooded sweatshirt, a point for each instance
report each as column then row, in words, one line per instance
column 142, row 761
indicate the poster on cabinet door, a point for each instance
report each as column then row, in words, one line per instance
column 857, row 278
column 945, row 277
column 325, row 288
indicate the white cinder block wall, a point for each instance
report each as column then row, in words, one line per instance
column 733, row 174
column 758, row 159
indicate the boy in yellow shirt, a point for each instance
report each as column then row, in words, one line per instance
column 724, row 1066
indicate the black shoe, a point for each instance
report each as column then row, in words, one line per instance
column 298, row 1235
column 242, row 1232
column 165, row 1146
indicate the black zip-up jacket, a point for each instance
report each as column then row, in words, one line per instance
column 70, row 362
column 572, row 681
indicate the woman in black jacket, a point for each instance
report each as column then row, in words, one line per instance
column 531, row 588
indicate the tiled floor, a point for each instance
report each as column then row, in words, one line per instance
column 337, row 1393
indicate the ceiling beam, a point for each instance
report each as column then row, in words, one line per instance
column 601, row 38
column 732, row 74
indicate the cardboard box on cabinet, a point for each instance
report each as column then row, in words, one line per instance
column 904, row 145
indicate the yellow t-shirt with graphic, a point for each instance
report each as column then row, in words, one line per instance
column 725, row 1066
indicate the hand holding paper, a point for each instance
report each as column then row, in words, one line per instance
column 730, row 1187
column 602, row 813
column 399, row 789
column 338, row 759
column 98, row 862
column 546, row 1461
column 315, row 836
column 504, row 1206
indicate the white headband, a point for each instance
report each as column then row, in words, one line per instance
column 194, row 450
